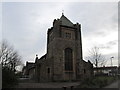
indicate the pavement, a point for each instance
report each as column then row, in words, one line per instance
column 47, row 85
column 114, row 85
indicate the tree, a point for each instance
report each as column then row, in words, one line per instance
column 9, row 57
column 96, row 57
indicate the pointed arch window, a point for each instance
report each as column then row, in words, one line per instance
column 68, row 59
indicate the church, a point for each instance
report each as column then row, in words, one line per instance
column 63, row 60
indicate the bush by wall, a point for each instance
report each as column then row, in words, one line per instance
column 97, row 82
column 8, row 78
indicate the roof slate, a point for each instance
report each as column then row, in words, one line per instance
column 65, row 21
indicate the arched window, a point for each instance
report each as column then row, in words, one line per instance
column 68, row 59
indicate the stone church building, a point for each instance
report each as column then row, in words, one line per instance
column 63, row 60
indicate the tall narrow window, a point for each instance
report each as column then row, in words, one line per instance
column 68, row 59
column 48, row 70
column 84, row 71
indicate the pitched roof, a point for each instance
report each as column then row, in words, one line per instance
column 30, row 64
column 65, row 21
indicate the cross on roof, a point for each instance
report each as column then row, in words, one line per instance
column 62, row 12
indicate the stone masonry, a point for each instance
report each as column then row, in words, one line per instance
column 63, row 60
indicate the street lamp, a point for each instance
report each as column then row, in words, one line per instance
column 111, row 60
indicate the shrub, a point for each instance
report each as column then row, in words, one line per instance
column 97, row 82
column 8, row 78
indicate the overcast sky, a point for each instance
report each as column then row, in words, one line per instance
column 25, row 25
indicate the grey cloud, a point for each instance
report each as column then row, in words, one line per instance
column 112, row 42
column 95, row 16
column 25, row 24
column 108, row 45
column 100, row 33
column 104, row 47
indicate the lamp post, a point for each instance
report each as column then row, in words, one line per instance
column 111, row 60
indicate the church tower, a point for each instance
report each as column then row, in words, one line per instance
column 64, row 49
column 63, row 60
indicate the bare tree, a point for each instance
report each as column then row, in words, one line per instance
column 9, row 57
column 96, row 57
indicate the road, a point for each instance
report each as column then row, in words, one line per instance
column 59, row 85
column 113, row 85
